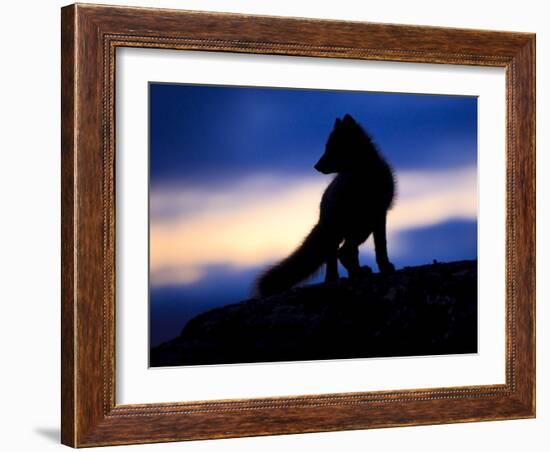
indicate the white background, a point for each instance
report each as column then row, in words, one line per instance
column 30, row 228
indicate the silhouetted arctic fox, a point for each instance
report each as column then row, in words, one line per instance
column 353, row 206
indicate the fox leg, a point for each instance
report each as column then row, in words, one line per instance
column 331, row 274
column 380, row 246
column 349, row 256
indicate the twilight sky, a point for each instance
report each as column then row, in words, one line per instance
column 233, row 189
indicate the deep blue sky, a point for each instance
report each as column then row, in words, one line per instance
column 197, row 132
column 209, row 137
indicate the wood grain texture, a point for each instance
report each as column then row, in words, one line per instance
column 67, row 226
column 90, row 36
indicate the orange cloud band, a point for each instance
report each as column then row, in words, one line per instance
column 264, row 218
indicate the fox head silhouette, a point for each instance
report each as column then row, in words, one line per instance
column 348, row 145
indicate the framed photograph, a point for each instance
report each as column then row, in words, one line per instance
column 281, row 225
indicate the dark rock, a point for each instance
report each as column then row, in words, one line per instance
column 425, row 310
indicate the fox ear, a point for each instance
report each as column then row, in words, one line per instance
column 348, row 119
column 337, row 123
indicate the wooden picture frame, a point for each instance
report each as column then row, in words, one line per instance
column 90, row 36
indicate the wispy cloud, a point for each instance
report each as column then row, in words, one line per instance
column 263, row 218
column 430, row 197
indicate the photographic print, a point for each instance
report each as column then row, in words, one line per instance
column 294, row 224
column 314, row 225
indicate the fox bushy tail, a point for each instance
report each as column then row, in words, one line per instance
column 300, row 265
